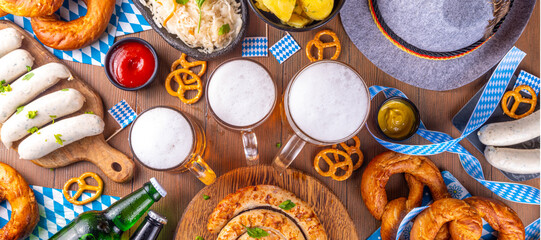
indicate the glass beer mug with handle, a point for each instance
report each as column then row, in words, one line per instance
column 241, row 95
column 165, row 139
column 326, row 102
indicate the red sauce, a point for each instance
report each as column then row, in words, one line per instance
column 132, row 64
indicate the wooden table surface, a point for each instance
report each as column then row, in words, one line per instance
column 224, row 148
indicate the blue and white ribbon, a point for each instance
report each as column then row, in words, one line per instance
column 525, row 78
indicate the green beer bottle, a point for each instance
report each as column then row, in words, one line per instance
column 110, row 223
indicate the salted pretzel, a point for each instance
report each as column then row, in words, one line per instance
column 351, row 150
column 184, row 85
column 83, row 186
column 499, row 216
column 187, row 64
column 347, row 164
column 316, row 42
column 515, row 94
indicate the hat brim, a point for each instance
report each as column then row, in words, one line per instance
column 438, row 75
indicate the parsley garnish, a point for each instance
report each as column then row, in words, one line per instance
column 224, row 29
column 32, row 130
column 52, row 117
column 199, row 4
column 89, row 112
column 199, row 238
column 206, row 197
column 58, row 139
column 28, row 76
column 65, row 89
column 278, row 144
column 28, row 68
column 287, row 205
column 20, row 109
column 256, row 232
column 32, row 114
column 4, row 87
column 182, row 1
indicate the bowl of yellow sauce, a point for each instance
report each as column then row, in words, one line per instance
column 398, row 118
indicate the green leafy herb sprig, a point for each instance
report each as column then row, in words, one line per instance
column 224, row 29
column 256, row 232
column 199, row 4
column 287, row 205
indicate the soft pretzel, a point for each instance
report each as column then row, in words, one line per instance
column 499, row 216
column 58, row 34
column 464, row 222
column 24, row 208
column 268, row 220
column 33, row 8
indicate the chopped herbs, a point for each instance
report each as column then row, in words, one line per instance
column 199, row 4
column 4, row 87
column 58, row 139
column 32, row 130
column 89, row 112
column 28, row 76
column 287, row 205
column 182, row 1
column 52, row 117
column 32, row 114
column 199, row 238
column 256, row 232
column 278, row 144
column 20, row 109
column 206, row 197
column 65, row 89
column 224, row 29
column 28, row 68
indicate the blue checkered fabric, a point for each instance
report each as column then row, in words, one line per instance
column 55, row 211
column 525, row 78
column 255, row 47
column 130, row 20
column 284, row 48
column 123, row 113
column 70, row 10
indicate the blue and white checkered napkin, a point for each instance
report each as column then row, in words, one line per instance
column 70, row 10
column 55, row 211
column 284, row 48
column 525, row 78
column 255, row 47
column 130, row 20
column 123, row 113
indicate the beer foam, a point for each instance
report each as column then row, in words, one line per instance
column 161, row 138
column 241, row 92
column 328, row 101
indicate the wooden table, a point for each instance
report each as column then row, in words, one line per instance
column 224, row 149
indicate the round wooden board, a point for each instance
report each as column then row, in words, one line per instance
column 332, row 214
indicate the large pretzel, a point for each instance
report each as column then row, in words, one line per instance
column 515, row 94
column 351, row 150
column 347, row 164
column 184, row 85
column 83, row 187
column 322, row 45
column 187, row 64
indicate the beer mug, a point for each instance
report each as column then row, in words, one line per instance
column 241, row 95
column 326, row 102
column 165, row 139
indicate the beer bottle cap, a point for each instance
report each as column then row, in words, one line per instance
column 158, row 187
column 157, row 217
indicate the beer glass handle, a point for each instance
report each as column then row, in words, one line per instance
column 288, row 153
column 202, row 170
column 249, row 141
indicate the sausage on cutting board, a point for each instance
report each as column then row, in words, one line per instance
column 49, row 107
column 60, row 134
column 14, row 64
column 511, row 132
column 10, row 39
column 29, row 86
column 522, row 161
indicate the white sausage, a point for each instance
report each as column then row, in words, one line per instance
column 14, row 64
column 54, row 105
column 10, row 39
column 30, row 86
column 67, row 131
column 522, row 161
column 510, row 133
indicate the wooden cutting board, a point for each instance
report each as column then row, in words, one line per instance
column 332, row 214
column 117, row 166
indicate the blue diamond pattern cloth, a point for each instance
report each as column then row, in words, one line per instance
column 525, row 78
column 55, row 211
column 130, row 20
column 284, row 48
column 255, row 47
column 123, row 113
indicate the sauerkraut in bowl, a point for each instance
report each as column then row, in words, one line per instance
column 219, row 23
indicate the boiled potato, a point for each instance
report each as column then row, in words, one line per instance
column 317, row 9
column 298, row 21
column 261, row 6
column 283, row 9
column 298, row 9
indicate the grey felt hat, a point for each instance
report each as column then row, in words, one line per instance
column 403, row 37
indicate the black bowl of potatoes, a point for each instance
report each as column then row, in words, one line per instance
column 296, row 15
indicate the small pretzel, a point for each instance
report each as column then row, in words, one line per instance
column 186, row 64
column 83, row 187
column 321, row 45
column 515, row 94
column 347, row 164
column 184, row 85
column 351, row 150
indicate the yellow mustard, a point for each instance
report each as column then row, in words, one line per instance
column 396, row 119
